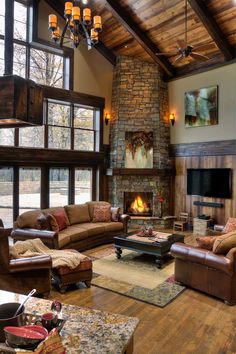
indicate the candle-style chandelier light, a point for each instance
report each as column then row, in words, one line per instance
column 80, row 24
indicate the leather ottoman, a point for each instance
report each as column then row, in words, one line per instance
column 64, row 276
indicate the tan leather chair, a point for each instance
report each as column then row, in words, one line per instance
column 206, row 271
column 23, row 274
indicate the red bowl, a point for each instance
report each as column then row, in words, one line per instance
column 21, row 337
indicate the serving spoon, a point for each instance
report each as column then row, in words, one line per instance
column 22, row 304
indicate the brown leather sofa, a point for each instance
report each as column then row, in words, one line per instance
column 201, row 269
column 81, row 232
column 23, row 274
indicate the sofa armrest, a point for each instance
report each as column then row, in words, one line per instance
column 50, row 238
column 30, row 263
column 124, row 218
column 202, row 256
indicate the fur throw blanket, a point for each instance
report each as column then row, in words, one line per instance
column 60, row 258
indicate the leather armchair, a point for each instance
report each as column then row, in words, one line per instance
column 23, row 274
column 203, row 270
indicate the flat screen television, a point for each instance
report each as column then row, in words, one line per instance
column 210, row 182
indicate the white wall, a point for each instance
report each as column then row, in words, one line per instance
column 92, row 72
column 225, row 78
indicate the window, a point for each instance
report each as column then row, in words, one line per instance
column 2, row 18
column 59, row 187
column 41, row 63
column 83, row 185
column 6, row 195
column 32, row 137
column 84, row 129
column 59, row 132
column 29, row 188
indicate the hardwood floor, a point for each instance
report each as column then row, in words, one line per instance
column 192, row 323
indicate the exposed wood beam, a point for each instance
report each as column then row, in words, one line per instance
column 58, row 6
column 201, row 10
column 124, row 18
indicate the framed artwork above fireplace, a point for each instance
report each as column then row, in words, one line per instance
column 139, row 149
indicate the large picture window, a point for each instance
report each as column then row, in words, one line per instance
column 29, row 188
column 6, row 195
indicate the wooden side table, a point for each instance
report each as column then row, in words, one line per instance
column 200, row 226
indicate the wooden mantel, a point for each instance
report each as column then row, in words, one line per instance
column 140, row 172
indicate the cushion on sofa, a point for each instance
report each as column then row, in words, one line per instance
column 53, row 222
column 101, row 213
column 93, row 228
column 224, row 243
column 60, row 217
column 28, row 219
column 92, row 204
column 55, row 210
column 115, row 213
column 206, row 242
column 230, row 225
column 75, row 232
column 43, row 222
column 77, row 213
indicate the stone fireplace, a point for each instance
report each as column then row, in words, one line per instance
column 138, row 203
column 140, row 103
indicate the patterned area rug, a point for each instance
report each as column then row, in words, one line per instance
column 135, row 275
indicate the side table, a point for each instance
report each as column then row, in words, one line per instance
column 200, row 226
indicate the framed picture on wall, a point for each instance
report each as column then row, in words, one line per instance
column 139, row 149
column 201, row 107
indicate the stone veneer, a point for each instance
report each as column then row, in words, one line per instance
column 139, row 103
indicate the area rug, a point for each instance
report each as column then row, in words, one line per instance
column 135, row 275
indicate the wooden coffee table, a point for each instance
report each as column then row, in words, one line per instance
column 158, row 249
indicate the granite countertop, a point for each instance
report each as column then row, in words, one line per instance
column 85, row 331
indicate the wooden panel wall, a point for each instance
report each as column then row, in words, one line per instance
column 184, row 202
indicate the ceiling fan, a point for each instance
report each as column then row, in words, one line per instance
column 185, row 50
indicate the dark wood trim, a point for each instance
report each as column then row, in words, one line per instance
column 44, row 196
column 8, row 44
column 15, row 192
column 71, row 186
column 73, row 97
column 212, row 27
column 32, row 156
column 140, row 172
column 212, row 148
column 148, row 45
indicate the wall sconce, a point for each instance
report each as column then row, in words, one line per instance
column 107, row 118
column 172, row 118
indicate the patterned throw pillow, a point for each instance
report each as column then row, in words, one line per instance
column 206, row 242
column 230, row 225
column 102, row 213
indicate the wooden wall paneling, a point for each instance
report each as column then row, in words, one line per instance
column 184, row 202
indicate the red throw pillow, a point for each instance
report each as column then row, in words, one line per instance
column 206, row 242
column 60, row 219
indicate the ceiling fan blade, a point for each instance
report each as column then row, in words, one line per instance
column 198, row 56
column 205, row 46
column 181, row 43
column 177, row 59
column 167, row 53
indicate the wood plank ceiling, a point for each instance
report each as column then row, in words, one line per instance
column 142, row 28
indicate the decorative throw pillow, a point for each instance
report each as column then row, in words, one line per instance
column 115, row 214
column 101, row 213
column 224, row 243
column 60, row 219
column 53, row 223
column 43, row 222
column 230, row 225
column 206, row 242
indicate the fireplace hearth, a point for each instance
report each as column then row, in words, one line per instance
column 138, row 203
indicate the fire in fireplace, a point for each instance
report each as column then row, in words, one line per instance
column 138, row 203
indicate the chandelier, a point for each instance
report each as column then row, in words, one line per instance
column 79, row 23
